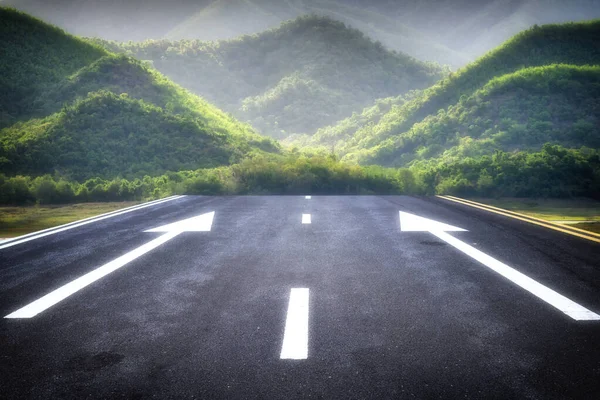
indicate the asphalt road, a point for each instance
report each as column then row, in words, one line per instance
column 391, row 314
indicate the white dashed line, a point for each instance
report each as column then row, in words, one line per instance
column 295, row 337
column 306, row 219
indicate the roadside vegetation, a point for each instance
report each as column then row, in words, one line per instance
column 16, row 221
column 552, row 172
column 522, row 121
column 578, row 212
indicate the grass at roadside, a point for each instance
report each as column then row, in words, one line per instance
column 579, row 213
column 16, row 221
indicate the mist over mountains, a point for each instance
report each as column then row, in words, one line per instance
column 520, row 120
column 72, row 108
column 296, row 78
column 450, row 32
column 538, row 87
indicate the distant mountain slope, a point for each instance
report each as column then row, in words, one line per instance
column 112, row 19
column 557, row 104
column 379, row 141
column 307, row 73
column 74, row 108
column 447, row 31
column 35, row 57
column 228, row 19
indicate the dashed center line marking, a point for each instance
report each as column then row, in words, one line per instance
column 306, row 219
column 295, row 337
column 308, row 197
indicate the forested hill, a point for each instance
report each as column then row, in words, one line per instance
column 303, row 75
column 450, row 32
column 35, row 58
column 482, row 100
column 71, row 107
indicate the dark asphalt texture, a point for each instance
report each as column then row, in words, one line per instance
column 392, row 314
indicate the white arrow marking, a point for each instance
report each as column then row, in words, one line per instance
column 414, row 223
column 201, row 223
column 410, row 222
column 77, row 224
column 295, row 337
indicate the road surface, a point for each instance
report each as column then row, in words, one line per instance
column 294, row 297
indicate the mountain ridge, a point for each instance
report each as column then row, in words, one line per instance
column 430, row 30
column 551, row 44
column 74, row 93
column 274, row 79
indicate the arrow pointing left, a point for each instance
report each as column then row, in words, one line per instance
column 200, row 223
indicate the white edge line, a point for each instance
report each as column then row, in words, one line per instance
column 557, row 300
column 295, row 337
column 76, row 224
column 81, row 220
column 47, row 301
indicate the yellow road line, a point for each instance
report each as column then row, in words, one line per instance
column 496, row 210
column 567, row 227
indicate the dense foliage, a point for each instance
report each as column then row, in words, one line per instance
column 552, row 172
column 35, row 57
column 292, row 174
column 84, row 112
column 524, row 110
column 487, row 94
column 296, row 78
column 522, row 121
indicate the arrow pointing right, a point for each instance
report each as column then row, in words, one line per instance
column 414, row 223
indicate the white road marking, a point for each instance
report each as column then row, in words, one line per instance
column 195, row 224
column 557, row 300
column 201, row 223
column 409, row 222
column 295, row 337
column 306, row 219
column 47, row 301
column 86, row 219
column 414, row 223
column 308, row 197
column 76, row 224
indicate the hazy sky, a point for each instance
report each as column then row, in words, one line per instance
column 447, row 31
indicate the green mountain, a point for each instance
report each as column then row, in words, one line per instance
column 520, row 121
column 452, row 32
column 307, row 73
column 71, row 107
column 531, row 90
column 228, row 19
